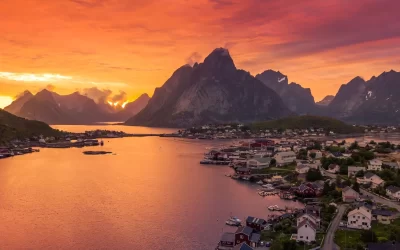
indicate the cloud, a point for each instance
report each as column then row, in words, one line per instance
column 50, row 87
column 89, row 3
column 98, row 95
column 21, row 94
column 119, row 97
column 193, row 58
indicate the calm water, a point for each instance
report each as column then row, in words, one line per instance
column 152, row 194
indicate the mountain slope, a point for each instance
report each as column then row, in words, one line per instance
column 296, row 98
column 211, row 92
column 306, row 122
column 326, row 101
column 132, row 108
column 381, row 100
column 349, row 97
column 17, row 104
column 14, row 127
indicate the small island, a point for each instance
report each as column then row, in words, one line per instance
column 96, row 152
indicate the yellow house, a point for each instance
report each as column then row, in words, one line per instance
column 382, row 216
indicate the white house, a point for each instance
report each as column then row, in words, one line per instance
column 349, row 194
column 311, row 217
column 306, row 231
column 283, row 158
column 333, row 168
column 371, row 178
column 359, row 218
column 318, row 153
column 302, row 169
column 375, row 164
column 259, row 163
column 352, row 170
column 393, row 192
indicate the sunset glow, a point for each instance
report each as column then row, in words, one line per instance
column 5, row 101
column 124, row 104
column 318, row 44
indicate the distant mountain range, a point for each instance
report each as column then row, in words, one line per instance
column 214, row 91
column 74, row 108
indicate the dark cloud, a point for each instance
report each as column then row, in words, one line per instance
column 193, row 58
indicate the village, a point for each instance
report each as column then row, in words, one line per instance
column 350, row 192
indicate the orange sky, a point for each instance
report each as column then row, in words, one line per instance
column 135, row 45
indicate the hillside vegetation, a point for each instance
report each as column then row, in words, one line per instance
column 307, row 121
column 14, row 127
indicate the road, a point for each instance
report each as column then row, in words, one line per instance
column 328, row 242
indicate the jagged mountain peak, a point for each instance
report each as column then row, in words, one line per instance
column 219, row 60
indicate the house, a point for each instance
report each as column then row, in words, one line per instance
column 349, row 195
column 277, row 178
column 284, row 158
column 302, row 169
column 306, row 231
column 359, row 218
column 382, row 216
column 394, row 165
column 243, row 171
column 371, row 178
column 256, row 224
column 227, row 241
column 318, row 153
column 393, row 192
column 333, row 168
column 259, row 163
column 314, row 210
column 375, row 165
column 353, row 170
column 305, row 216
column 243, row 246
column 247, row 235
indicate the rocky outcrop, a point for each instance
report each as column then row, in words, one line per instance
column 210, row 92
column 326, row 101
column 296, row 98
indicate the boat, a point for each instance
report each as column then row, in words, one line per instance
column 233, row 221
column 246, row 178
column 206, row 162
column 101, row 143
column 273, row 208
column 228, row 175
column 235, row 176
column 260, row 182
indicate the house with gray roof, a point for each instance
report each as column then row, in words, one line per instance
column 393, row 192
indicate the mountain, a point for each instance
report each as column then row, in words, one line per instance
column 296, row 98
column 132, row 108
column 380, row 100
column 17, row 104
column 376, row 101
column 326, row 101
column 210, row 92
column 349, row 97
column 306, row 122
column 53, row 108
column 14, row 127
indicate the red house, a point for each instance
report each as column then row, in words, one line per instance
column 247, row 235
column 243, row 171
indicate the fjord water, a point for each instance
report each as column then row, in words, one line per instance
column 152, row 194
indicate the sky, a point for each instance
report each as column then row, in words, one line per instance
column 133, row 46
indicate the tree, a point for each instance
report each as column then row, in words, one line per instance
column 360, row 173
column 273, row 162
column 313, row 155
column 356, row 187
column 289, row 245
column 368, row 236
column 327, row 189
column 343, row 169
column 314, row 175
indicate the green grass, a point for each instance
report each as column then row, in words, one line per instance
column 383, row 231
column 347, row 239
column 280, row 170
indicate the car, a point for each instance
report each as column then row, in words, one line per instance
column 268, row 244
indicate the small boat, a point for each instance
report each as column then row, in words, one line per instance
column 246, row 178
column 235, row 177
column 273, row 208
column 228, row 175
column 101, row 143
column 233, row 221
column 206, row 162
column 260, row 182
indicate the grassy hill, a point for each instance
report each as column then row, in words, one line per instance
column 14, row 127
column 307, row 121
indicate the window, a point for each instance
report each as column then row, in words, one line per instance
column 363, row 218
column 307, row 237
column 301, row 237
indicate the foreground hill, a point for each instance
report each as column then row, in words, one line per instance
column 214, row 91
column 14, row 127
column 306, row 122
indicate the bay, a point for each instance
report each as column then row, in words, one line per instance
column 152, row 194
